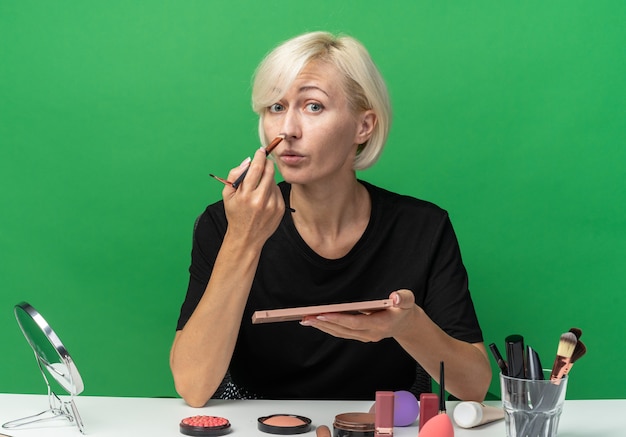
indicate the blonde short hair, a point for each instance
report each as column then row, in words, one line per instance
column 363, row 85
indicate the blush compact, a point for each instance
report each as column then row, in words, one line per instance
column 204, row 426
column 284, row 424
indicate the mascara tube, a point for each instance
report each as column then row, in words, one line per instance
column 515, row 364
column 515, row 355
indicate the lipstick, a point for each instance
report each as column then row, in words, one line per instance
column 383, row 423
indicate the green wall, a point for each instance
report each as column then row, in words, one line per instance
column 511, row 115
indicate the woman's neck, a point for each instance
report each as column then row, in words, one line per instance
column 330, row 219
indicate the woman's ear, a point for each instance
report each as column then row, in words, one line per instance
column 365, row 127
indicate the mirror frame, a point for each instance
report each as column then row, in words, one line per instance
column 71, row 382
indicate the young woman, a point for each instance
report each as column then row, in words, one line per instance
column 346, row 241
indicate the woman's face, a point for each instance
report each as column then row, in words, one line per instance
column 322, row 131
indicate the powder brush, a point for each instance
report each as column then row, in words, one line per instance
column 579, row 351
column 567, row 344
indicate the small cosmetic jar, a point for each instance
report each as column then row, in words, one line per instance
column 284, row 424
column 354, row 425
column 204, row 426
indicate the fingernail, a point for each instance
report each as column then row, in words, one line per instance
column 245, row 162
column 322, row 318
column 396, row 299
column 305, row 323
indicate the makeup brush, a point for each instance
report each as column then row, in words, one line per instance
column 564, row 352
column 268, row 150
column 222, row 180
column 577, row 332
column 579, row 351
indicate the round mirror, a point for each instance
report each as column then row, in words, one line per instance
column 56, row 366
column 50, row 352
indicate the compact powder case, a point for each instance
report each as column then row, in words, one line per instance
column 284, row 424
column 204, row 426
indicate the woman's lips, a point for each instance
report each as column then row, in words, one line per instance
column 291, row 158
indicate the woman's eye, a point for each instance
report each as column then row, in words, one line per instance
column 314, row 107
column 276, row 107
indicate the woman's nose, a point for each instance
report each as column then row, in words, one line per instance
column 291, row 124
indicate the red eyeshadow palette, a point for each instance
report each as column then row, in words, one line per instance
column 284, row 424
column 204, row 426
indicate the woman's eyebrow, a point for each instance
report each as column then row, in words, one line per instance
column 311, row 87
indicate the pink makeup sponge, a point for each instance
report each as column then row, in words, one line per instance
column 406, row 408
column 439, row 426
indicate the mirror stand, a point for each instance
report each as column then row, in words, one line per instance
column 58, row 410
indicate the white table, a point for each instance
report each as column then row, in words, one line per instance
column 138, row 417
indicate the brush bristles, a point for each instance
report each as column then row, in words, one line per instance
column 567, row 344
column 579, row 351
column 577, row 332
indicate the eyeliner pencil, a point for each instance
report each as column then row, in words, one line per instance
column 268, row 150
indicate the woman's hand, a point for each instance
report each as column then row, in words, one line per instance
column 468, row 373
column 255, row 208
column 367, row 327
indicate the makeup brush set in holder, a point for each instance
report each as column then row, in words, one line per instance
column 533, row 397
